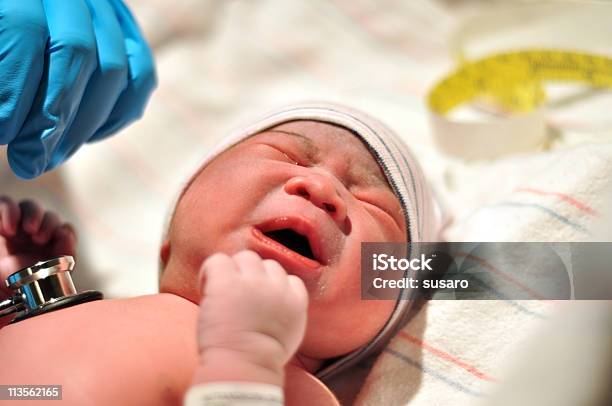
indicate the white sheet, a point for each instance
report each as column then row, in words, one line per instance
column 221, row 61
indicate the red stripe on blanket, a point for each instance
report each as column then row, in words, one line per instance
column 446, row 356
column 574, row 202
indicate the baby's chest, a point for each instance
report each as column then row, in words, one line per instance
column 101, row 354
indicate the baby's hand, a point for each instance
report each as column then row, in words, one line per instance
column 252, row 319
column 28, row 234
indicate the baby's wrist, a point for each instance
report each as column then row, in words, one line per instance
column 225, row 364
column 253, row 346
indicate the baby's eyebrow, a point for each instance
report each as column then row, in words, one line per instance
column 309, row 146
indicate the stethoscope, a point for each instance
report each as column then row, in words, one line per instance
column 44, row 287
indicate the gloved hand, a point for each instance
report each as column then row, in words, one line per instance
column 70, row 72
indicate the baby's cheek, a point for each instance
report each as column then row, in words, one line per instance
column 336, row 330
column 339, row 319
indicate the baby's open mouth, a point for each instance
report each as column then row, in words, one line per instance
column 292, row 240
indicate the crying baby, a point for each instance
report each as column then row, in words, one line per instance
column 260, row 291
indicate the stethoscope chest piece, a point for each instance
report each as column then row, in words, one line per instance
column 44, row 287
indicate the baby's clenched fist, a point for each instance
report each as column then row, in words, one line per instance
column 252, row 313
column 29, row 234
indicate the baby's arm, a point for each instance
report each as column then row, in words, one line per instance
column 29, row 234
column 252, row 320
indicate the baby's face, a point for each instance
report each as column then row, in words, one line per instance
column 305, row 194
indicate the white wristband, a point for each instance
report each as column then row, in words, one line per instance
column 234, row 393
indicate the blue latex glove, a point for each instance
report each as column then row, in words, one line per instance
column 71, row 71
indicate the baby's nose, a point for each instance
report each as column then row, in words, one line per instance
column 321, row 192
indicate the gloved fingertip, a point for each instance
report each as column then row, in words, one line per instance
column 25, row 170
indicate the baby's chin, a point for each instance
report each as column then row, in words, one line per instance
column 336, row 345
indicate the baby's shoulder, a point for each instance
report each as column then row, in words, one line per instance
column 130, row 351
column 302, row 388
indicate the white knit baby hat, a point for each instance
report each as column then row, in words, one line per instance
column 422, row 213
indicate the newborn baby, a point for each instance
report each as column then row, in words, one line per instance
column 275, row 214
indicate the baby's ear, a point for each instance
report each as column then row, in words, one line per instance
column 164, row 253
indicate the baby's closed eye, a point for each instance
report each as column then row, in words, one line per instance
column 376, row 200
column 280, row 153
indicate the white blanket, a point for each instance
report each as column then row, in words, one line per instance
column 220, row 61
